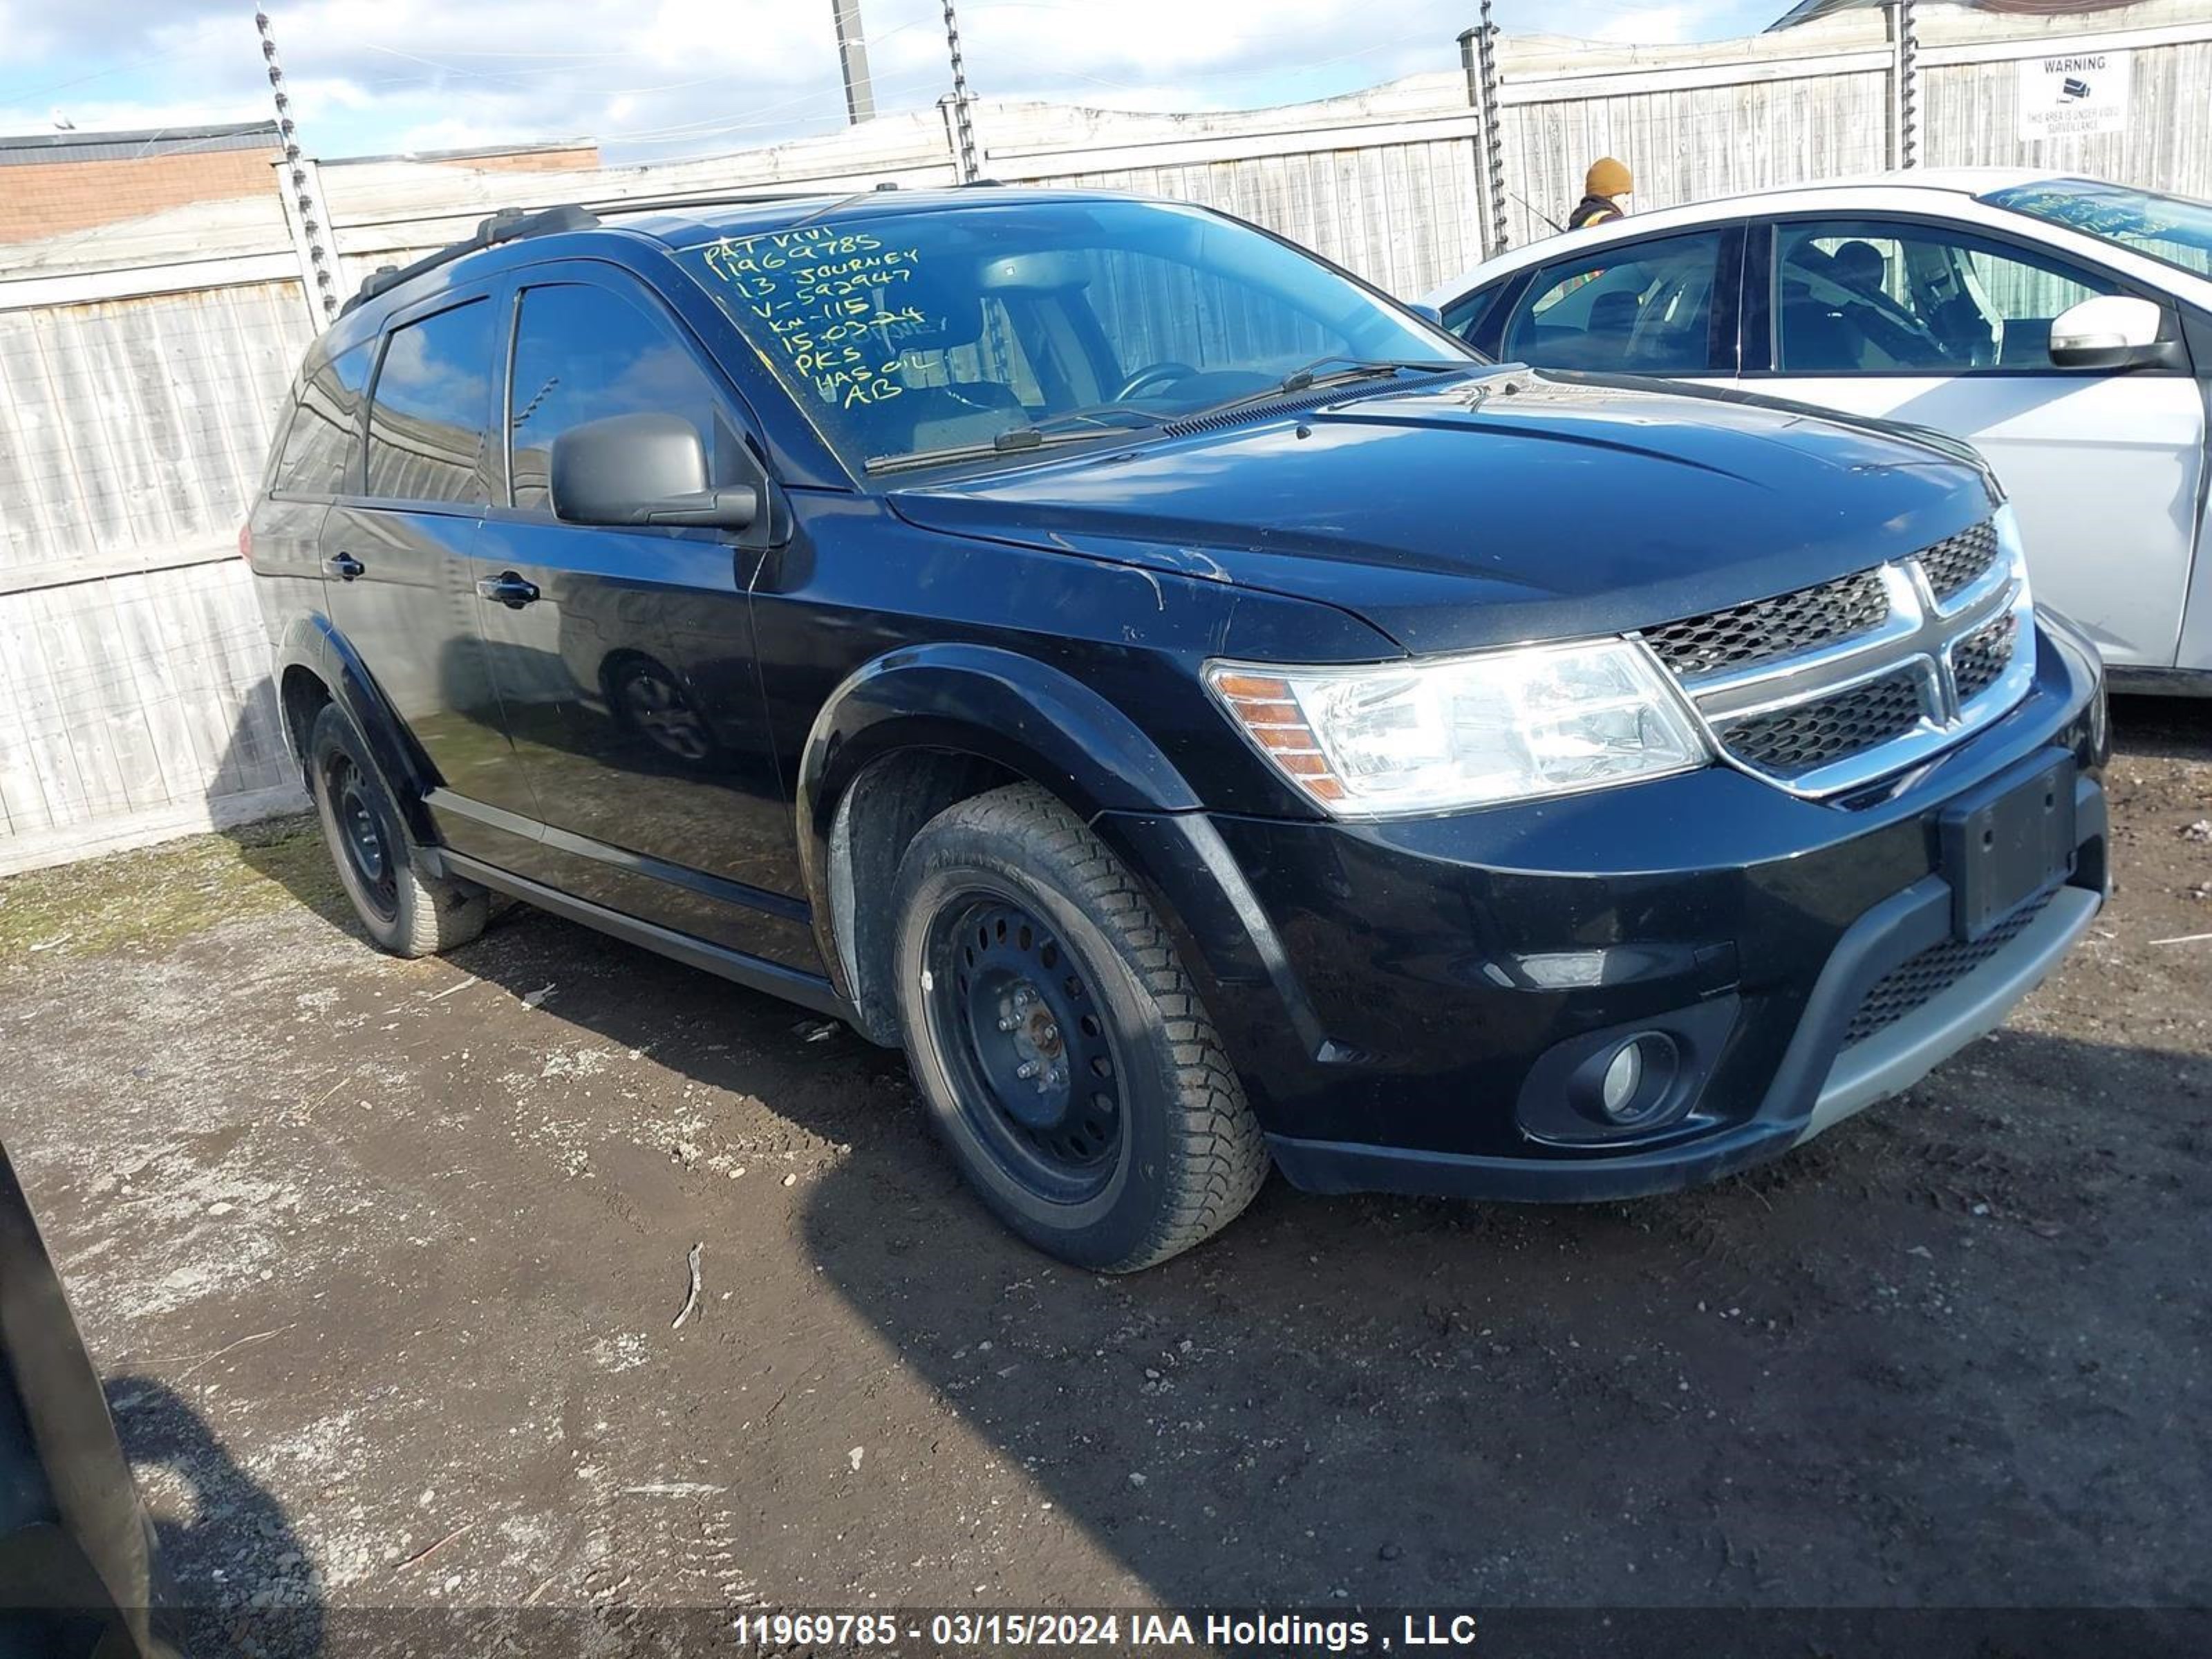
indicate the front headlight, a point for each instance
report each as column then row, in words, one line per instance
column 1427, row 737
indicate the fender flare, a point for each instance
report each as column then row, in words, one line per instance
column 970, row 700
column 315, row 644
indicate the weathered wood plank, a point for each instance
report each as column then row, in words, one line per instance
column 130, row 423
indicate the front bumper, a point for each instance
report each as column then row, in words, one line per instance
column 1396, row 995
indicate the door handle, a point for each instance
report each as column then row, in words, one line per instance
column 343, row 566
column 510, row 590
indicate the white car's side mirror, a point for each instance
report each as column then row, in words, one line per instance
column 2114, row 331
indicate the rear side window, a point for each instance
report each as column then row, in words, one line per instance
column 427, row 420
column 1645, row 309
column 323, row 444
column 583, row 353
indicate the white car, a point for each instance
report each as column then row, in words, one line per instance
column 2062, row 326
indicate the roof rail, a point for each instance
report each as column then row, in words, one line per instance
column 507, row 225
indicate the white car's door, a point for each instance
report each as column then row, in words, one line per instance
column 1943, row 327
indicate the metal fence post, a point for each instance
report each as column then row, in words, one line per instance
column 307, row 217
column 948, row 106
column 966, row 161
column 1478, row 54
column 1904, row 85
column 299, row 187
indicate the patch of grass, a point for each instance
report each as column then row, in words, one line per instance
column 154, row 897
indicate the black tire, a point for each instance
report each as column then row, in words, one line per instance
column 1023, row 941
column 406, row 912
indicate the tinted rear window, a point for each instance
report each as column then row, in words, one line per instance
column 323, row 444
column 427, row 422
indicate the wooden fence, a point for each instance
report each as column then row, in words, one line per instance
column 141, row 365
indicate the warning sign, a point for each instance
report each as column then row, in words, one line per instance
column 2068, row 97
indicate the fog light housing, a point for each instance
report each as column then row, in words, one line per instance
column 1635, row 1083
column 1630, row 1083
column 1624, row 1074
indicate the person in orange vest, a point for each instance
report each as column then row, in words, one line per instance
column 1604, row 189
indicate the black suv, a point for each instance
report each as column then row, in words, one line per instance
column 1201, row 712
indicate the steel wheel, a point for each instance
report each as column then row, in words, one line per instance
column 405, row 909
column 369, row 848
column 1064, row 1055
column 1031, row 1055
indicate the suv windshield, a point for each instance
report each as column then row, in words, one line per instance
column 2172, row 228
column 997, row 329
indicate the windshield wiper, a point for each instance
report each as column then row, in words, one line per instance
column 1082, row 425
column 1310, row 375
column 1011, row 441
column 1133, row 418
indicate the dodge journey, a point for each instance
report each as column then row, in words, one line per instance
column 1208, row 718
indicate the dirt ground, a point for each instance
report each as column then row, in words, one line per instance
column 381, row 1259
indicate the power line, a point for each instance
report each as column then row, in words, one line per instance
column 769, row 115
column 655, row 137
column 191, row 36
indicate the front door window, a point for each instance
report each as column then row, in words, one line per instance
column 1643, row 308
column 1877, row 298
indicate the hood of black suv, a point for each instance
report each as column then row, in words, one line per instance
column 1487, row 509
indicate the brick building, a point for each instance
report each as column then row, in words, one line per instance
column 56, row 182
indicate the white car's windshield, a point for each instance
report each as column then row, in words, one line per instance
column 909, row 336
column 2173, row 228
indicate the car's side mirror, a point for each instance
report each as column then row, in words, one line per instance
column 1426, row 313
column 2112, row 331
column 643, row 470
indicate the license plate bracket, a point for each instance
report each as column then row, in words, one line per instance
column 2011, row 841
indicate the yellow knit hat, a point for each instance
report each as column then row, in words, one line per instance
column 1608, row 178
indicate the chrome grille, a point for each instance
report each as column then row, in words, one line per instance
column 1919, row 979
column 1958, row 561
column 1982, row 656
column 1807, row 736
column 1766, row 629
column 1829, row 688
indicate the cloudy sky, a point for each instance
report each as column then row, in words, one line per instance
column 659, row 79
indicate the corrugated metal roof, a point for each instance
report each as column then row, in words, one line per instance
column 39, row 148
